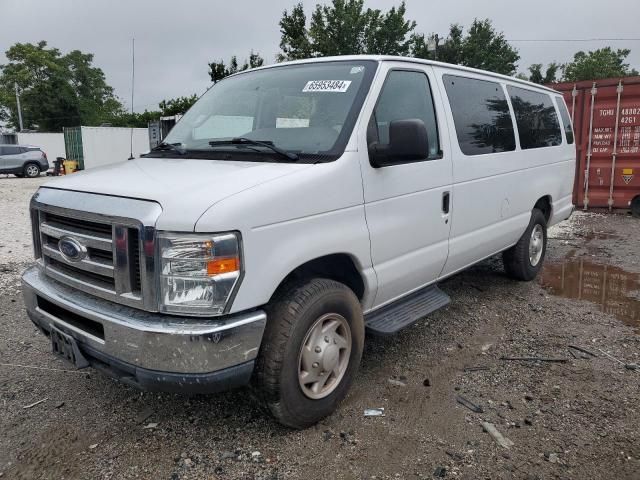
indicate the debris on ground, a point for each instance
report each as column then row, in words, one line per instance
column 31, row 405
column 628, row 366
column 535, row 359
column 144, row 415
column 440, row 472
column 400, row 381
column 149, row 426
column 374, row 412
column 469, row 404
column 476, row 369
column 500, row 439
column 582, row 349
column 551, row 457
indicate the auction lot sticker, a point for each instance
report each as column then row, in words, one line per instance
column 340, row 86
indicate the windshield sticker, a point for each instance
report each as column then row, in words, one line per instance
column 357, row 69
column 327, row 86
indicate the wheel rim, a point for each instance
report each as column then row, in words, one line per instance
column 324, row 356
column 536, row 245
column 32, row 170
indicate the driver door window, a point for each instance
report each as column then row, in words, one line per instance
column 405, row 95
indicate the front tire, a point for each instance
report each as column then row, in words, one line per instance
column 524, row 260
column 310, row 352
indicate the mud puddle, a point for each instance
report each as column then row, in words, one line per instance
column 613, row 289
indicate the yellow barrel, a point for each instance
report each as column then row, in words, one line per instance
column 70, row 166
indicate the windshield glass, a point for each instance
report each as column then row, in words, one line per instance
column 307, row 109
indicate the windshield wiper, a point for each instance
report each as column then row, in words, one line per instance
column 176, row 147
column 264, row 143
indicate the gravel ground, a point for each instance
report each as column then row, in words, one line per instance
column 576, row 419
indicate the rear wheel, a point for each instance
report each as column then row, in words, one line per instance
column 635, row 207
column 31, row 170
column 524, row 260
column 310, row 352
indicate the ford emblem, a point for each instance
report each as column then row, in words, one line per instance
column 71, row 249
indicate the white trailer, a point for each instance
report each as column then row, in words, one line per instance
column 50, row 143
column 97, row 146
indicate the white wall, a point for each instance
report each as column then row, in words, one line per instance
column 106, row 145
column 50, row 143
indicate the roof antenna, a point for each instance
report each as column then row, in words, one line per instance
column 133, row 78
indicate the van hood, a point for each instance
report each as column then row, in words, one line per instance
column 185, row 188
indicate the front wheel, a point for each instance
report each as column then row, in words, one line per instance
column 310, row 352
column 524, row 260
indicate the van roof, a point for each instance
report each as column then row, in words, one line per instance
column 391, row 58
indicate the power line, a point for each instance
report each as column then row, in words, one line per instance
column 574, row 40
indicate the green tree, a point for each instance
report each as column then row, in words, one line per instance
column 345, row 27
column 482, row 47
column 601, row 63
column 294, row 40
column 55, row 90
column 219, row 70
column 447, row 50
column 177, row 106
column 536, row 75
column 487, row 49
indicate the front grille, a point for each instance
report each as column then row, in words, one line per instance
column 75, row 224
column 110, row 266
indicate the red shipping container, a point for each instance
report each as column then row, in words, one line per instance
column 606, row 121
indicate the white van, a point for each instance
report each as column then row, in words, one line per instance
column 292, row 208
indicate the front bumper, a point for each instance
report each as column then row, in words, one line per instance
column 149, row 350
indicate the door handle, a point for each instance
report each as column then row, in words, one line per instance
column 445, row 202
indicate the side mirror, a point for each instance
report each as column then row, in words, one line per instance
column 408, row 142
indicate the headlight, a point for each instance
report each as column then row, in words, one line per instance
column 198, row 272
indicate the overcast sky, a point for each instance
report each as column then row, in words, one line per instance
column 176, row 39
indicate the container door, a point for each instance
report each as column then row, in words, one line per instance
column 607, row 122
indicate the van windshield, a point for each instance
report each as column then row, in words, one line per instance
column 307, row 109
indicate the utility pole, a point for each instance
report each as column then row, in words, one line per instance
column 133, row 79
column 435, row 49
column 15, row 84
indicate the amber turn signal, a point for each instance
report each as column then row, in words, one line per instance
column 223, row 265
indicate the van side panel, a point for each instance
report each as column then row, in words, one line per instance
column 494, row 193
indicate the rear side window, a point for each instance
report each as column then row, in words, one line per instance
column 405, row 95
column 481, row 115
column 566, row 119
column 536, row 118
column 11, row 150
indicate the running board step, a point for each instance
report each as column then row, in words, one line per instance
column 404, row 312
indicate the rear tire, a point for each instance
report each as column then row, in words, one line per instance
column 315, row 330
column 524, row 260
column 31, row 170
column 635, row 207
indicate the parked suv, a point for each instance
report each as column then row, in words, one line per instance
column 292, row 208
column 23, row 160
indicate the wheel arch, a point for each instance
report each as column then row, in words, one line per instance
column 341, row 267
column 545, row 205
